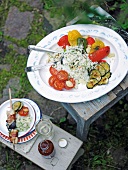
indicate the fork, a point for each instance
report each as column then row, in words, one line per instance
column 37, row 67
column 38, row 48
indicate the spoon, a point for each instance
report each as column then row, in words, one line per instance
column 37, row 48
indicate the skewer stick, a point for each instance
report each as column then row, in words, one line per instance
column 10, row 98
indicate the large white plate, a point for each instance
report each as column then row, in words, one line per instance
column 30, row 135
column 118, row 64
column 3, row 117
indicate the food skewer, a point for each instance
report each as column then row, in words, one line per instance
column 11, row 117
column 10, row 98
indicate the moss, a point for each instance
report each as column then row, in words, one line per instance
column 22, row 6
column 4, row 78
column 18, row 64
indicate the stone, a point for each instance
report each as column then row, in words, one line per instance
column 52, row 22
column 34, row 3
column 5, row 66
column 19, row 50
column 18, row 23
column 47, row 26
column 15, row 87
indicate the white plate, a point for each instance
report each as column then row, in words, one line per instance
column 118, row 64
column 3, row 117
column 30, row 135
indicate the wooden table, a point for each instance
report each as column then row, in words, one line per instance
column 64, row 157
column 86, row 113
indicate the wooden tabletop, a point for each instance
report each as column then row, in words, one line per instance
column 63, row 156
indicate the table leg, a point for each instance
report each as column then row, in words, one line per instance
column 82, row 125
column 78, row 155
column 82, row 129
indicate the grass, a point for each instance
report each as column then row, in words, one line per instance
column 104, row 137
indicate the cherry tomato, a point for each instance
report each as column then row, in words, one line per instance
column 69, row 84
column 90, row 40
column 58, row 85
column 53, row 70
column 24, row 111
column 62, row 75
column 63, row 41
column 51, row 80
column 99, row 54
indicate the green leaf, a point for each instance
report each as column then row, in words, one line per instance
column 63, row 119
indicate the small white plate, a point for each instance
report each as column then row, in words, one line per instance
column 32, row 133
column 3, row 117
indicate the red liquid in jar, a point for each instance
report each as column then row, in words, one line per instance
column 46, row 149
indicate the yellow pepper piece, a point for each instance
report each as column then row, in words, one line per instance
column 97, row 45
column 73, row 36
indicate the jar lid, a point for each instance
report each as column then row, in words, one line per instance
column 63, row 143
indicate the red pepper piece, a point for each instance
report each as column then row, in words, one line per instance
column 63, row 41
column 99, row 54
column 90, row 40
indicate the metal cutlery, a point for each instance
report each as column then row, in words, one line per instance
column 36, row 67
column 37, row 48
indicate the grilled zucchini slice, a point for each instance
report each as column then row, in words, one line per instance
column 104, row 80
column 17, row 105
column 106, row 66
column 91, row 83
column 95, row 74
column 101, row 69
column 108, row 75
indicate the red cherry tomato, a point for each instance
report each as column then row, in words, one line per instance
column 58, row 85
column 51, row 80
column 53, row 70
column 63, row 41
column 24, row 111
column 71, row 82
column 99, row 54
column 90, row 40
column 62, row 75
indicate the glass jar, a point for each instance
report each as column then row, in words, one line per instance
column 46, row 149
column 45, row 129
